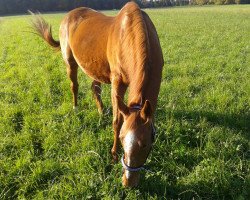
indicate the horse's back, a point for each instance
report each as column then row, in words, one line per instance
column 87, row 27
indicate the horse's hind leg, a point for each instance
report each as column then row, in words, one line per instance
column 96, row 88
column 69, row 59
column 72, row 74
column 72, row 67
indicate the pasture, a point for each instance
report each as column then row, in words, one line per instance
column 47, row 151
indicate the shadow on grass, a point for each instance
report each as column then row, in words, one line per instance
column 168, row 187
column 18, row 121
column 155, row 186
column 239, row 122
column 235, row 188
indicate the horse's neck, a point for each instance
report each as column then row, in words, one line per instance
column 136, row 93
column 144, row 78
column 144, row 87
column 138, row 79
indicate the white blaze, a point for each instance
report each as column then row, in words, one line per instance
column 129, row 140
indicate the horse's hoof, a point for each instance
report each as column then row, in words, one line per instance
column 115, row 158
column 100, row 111
column 75, row 108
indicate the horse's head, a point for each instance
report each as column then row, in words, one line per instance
column 137, row 136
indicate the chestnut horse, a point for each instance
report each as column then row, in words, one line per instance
column 125, row 52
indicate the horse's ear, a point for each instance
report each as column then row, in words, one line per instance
column 146, row 111
column 122, row 107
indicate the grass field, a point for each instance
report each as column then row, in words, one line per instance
column 47, row 151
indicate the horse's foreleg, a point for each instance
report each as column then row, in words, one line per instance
column 117, row 89
column 97, row 90
column 72, row 74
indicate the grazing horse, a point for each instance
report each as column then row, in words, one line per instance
column 123, row 51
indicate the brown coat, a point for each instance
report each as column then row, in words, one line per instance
column 122, row 50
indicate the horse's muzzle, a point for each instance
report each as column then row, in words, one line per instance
column 132, row 181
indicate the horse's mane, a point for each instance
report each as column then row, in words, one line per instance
column 135, row 50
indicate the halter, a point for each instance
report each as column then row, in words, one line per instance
column 131, row 169
column 136, row 169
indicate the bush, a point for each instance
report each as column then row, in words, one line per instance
column 242, row 1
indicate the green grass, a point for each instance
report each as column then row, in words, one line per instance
column 203, row 118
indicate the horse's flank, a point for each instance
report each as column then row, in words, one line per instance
column 84, row 34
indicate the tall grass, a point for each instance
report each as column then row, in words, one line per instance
column 47, row 151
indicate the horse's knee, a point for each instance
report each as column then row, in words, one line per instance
column 115, row 124
column 114, row 155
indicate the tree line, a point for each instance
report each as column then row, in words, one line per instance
column 21, row 6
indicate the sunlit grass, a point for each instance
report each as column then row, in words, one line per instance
column 203, row 118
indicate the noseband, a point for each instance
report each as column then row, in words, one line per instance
column 131, row 169
column 136, row 169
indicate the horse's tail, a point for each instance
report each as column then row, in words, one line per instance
column 43, row 29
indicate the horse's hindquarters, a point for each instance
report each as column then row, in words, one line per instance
column 84, row 32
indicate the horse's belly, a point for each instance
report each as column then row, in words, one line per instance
column 97, row 71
